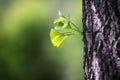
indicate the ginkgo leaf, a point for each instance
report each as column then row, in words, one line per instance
column 67, row 25
column 62, row 29
column 60, row 19
column 62, row 24
column 61, row 15
column 59, row 26
column 56, row 37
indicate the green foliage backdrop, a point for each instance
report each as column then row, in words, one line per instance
column 26, row 52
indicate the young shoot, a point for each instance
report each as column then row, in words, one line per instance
column 63, row 28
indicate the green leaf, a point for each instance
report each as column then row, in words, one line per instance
column 60, row 19
column 60, row 24
column 67, row 25
column 61, row 15
column 56, row 37
column 62, row 29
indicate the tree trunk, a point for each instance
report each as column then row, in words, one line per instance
column 101, row 36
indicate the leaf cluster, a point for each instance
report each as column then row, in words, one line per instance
column 62, row 29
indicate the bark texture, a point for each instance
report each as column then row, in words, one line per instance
column 101, row 36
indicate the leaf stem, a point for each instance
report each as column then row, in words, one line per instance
column 76, row 27
column 71, row 33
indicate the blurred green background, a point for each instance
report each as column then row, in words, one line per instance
column 26, row 52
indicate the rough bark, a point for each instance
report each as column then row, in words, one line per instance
column 101, row 36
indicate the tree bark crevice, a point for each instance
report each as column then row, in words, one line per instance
column 101, row 36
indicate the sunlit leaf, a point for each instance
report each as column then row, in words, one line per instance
column 61, row 15
column 62, row 30
column 67, row 26
column 59, row 25
column 62, row 24
column 56, row 37
column 60, row 19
